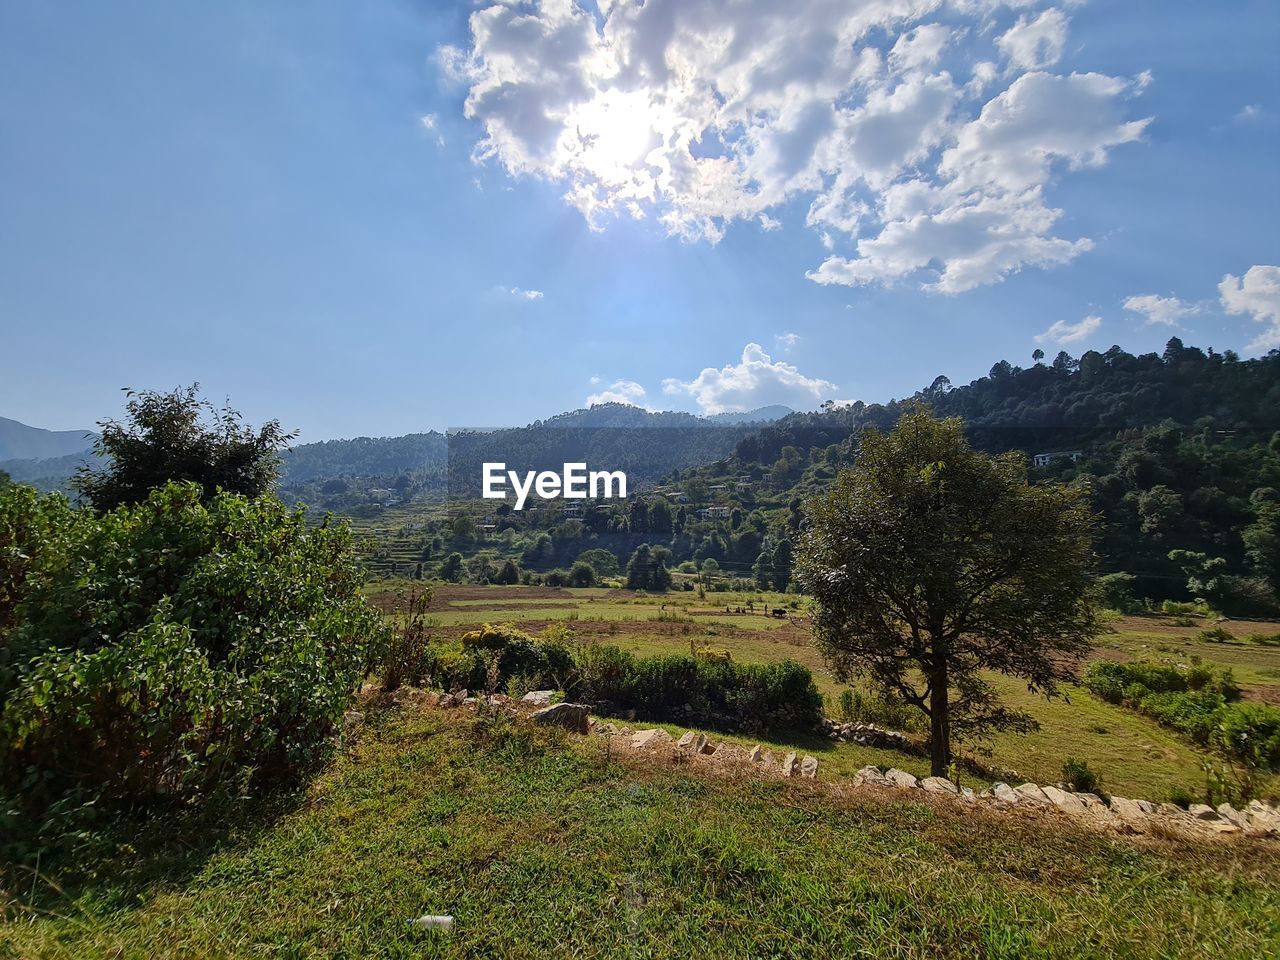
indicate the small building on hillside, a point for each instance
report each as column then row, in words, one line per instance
column 1044, row 459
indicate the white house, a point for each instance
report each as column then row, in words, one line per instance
column 1044, row 459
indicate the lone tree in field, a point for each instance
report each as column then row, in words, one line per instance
column 178, row 436
column 929, row 563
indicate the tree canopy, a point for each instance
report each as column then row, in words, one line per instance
column 930, row 562
column 178, row 436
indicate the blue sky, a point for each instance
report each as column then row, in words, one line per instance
column 700, row 205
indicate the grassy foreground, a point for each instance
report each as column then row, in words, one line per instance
column 541, row 845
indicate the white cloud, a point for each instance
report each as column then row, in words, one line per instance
column 621, row 391
column 757, row 381
column 520, row 294
column 1062, row 333
column 430, row 123
column 1040, row 119
column 1252, row 113
column 786, row 340
column 1166, row 310
column 921, row 47
column 595, row 378
column 1033, row 44
column 701, row 113
column 1257, row 293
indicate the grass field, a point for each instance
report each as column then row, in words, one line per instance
column 1135, row 756
column 540, row 845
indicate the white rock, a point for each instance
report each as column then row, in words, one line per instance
column 686, row 741
column 789, row 765
column 1005, row 793
column 1032, row 792
column 433, row 922
column 1130, row 811
column 1066, row 802
column 649, row 738
column 756, row 754
column 939, row 785
column 809, row 768
column 900, row 778
column 872, row 777
column 1232, row 815
column 538, row 698
column 1202, row 811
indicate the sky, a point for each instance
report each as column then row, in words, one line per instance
column 392, row 216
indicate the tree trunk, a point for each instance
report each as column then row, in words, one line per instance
column 939, row 725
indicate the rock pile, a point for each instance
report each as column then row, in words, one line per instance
column 866, row 734
column 696, row 746
column 1118, row 813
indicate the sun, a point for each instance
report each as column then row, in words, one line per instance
column 614, row 133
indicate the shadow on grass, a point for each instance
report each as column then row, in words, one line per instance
column 118, row 855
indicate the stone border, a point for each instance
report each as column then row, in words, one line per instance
column 1116, row 813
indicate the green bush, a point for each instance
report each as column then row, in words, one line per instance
column 1181, row 797
column 1250, row 733
column 1077, row 775
column 489, row 657
column 1201, row 702
column 174, row 647
column 711, row 692
column 582, row 574
column 1215, row 635
column 856, row 706
column 407, row 653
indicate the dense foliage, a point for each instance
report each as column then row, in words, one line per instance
column 172, row 647
column 1179, row 450
column 704, row 690
column 178, row 436
column 930, row 562
column 708, row 691
column 1200, row 701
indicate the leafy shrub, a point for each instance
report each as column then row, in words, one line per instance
column 407, row 653
column 1264, row 639
column 489, row 657
column 856, row 706
column 489, row 637
column 175, row 646
column 1215, row 635
column 1250, row 733
column 1201, row 702
column 582, row 574
column 1115, row 591
column 1181, row 797
column 1077, row 775
column 1178, row 608
column 710, row 692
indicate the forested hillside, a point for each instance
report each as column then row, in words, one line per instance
column 1180, row 450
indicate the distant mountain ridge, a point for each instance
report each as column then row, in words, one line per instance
column 21, row 442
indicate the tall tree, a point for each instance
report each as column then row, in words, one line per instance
column 179, row 436
column 930, row 563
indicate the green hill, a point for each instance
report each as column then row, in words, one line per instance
column 545, row 846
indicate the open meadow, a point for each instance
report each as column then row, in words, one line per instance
column 1133, row 755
